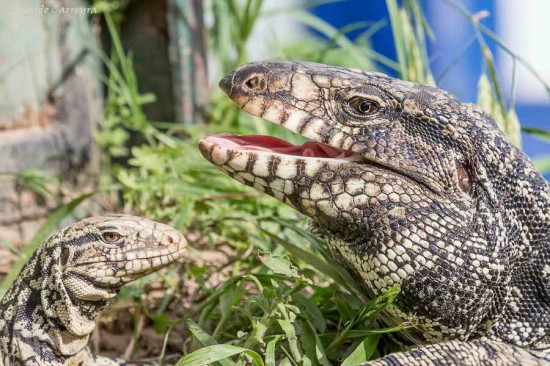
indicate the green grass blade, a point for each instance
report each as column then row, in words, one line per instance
column 217, row 353
column 361, row 333
column 363, row 352
column 398, row 37
column 206, row 340
column 361, row 59
column 539, row 133
column 313, row 344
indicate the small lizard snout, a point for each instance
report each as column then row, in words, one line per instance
column 248, row 79
column 167, row 240
column 173, row 238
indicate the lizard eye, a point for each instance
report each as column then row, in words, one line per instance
column 111, row 237
column 361, row 106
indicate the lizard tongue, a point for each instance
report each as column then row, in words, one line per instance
column 273, row 144
column 308, row 152
column 316, row 149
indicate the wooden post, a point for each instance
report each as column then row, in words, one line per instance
column 50, row 105
column 187, row 52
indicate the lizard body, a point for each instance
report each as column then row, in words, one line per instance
column 411, row 187
column 48, row 313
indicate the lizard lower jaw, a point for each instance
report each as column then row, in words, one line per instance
column 217, row 149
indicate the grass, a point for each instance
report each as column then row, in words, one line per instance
column 275, row 297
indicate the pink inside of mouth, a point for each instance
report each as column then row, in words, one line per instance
column 275, row 145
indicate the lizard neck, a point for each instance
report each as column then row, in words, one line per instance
column 522, row 197
column 40, row 317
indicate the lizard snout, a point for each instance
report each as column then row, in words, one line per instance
column 226, row 83
column 248, row 79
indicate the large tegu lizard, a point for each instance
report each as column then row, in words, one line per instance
column 48, row 313
column 411, row 187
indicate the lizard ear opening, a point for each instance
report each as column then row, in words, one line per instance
column 64, row 257
column 464, row 180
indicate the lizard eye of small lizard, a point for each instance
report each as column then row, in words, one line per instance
column 111, row 237
column 362, row 106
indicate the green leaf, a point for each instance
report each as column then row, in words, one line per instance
column 312, row 312
column 270, row 355
column 205, row 339
column 127, row 179
column 282, row 266
column 539, row 133
column 369, row 312
column 291, row 338
column 313, row 345
column 207, row 355
column 363, row 352
column 374, row 307
column 332, row 270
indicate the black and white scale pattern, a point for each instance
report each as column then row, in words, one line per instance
column 48, row 313
column 430, row 195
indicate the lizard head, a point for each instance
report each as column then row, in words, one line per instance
column 110, row 251
column 362, row 117
column 82, row 267
column 400, row 177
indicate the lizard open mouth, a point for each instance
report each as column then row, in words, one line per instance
column 267, row 94
column 273, row 145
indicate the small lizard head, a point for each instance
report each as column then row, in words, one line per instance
column 401, row 178
column 82, row 267
column 111, row 251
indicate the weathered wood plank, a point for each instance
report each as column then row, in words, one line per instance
column 188, row 57
column 51, row 99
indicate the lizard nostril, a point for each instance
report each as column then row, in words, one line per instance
column 169, row 239
column 255, row 83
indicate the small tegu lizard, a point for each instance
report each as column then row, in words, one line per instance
column 49, row 312
column 410, row 187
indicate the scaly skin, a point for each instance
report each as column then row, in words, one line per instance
column 414, row 188
column 48, row 314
